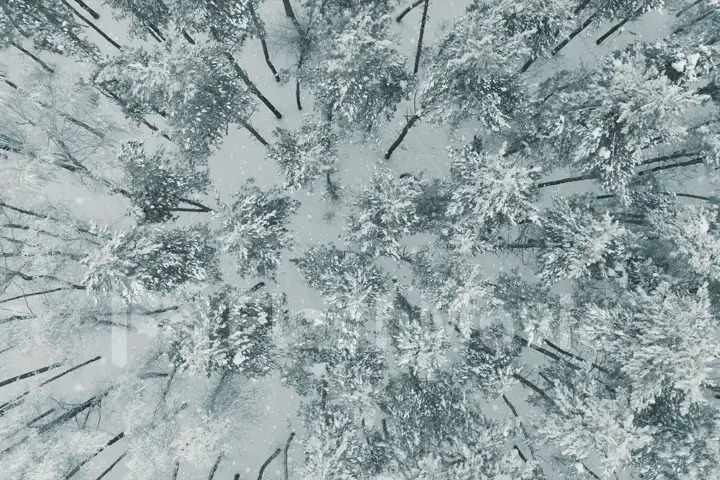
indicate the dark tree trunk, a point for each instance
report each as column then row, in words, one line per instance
column 92, row 25
column 286, row 474
column 408, row 10
column 72, row 413
column 614, row 29
column 199, row 205
column 161, row 310
column 574, row 34
column 97, row 452
column 290, row 13
column 519, row 452
column 188, row 38
column 410, row 123
column 41, row 216
column 581, row 7
column 548, row 353
column 524, row 381
column 17, row 400
column 29, row 374
column 255, row 133
column 572, row 355
column 44, row 65
column 112, row 465
column 695, row 161
column 34, row 294
column 267, row 462
column 156, row 31
column 684, row 10
column 215, row 467
column 297, row 81
column 698, row 19
column 253, row 88
column 420, row 39
column 552, row 183
column 123, row 105
column 87, row 8
column 154, row 35
column 261, row 35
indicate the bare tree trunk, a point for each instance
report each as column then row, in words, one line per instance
column 89, row 10
column 17, row 400
column 154, row 35
column 420, row 40
column 253, row 88
column 41, row 216
column 92, row 25
column 519, row 452
column 408, row 10
column 285, row 456
column 34, row 294
column 73, row 412
column 297, row 81
column 97, row 452
column 267, row 462
column 123, row 104
column 188, row 38
column 291, row 15
column 695, row 161
column 112, row 465
column 32, row 56
column 682, row 28
column 524, row 381
column 156, row 31
column 548, row 353
column 261, row 35
column 254, row 133
column 574, row 34
column 614, row 29
column 215, row 467
column 552, row 183
column 410, row 123
column 199, row 205
column 29, row 374
column 685, row 9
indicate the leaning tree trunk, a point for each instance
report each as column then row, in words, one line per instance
column 112, row 465
column 247, row 126
column 285, row 456
column 420, row 39
column 29, row 374
column 32, row 56
column 291, row 15
column 17, row 400
column 408, row 10
column 410, row 123
column 685, row 9
column 215, row 467
column 574, row 34
column 267, row 462
column 87, row 8
column 92, row 25
column 261, row 35
column 617, row 27
column 297, row 82
column 253, row 88
column 97, row 452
